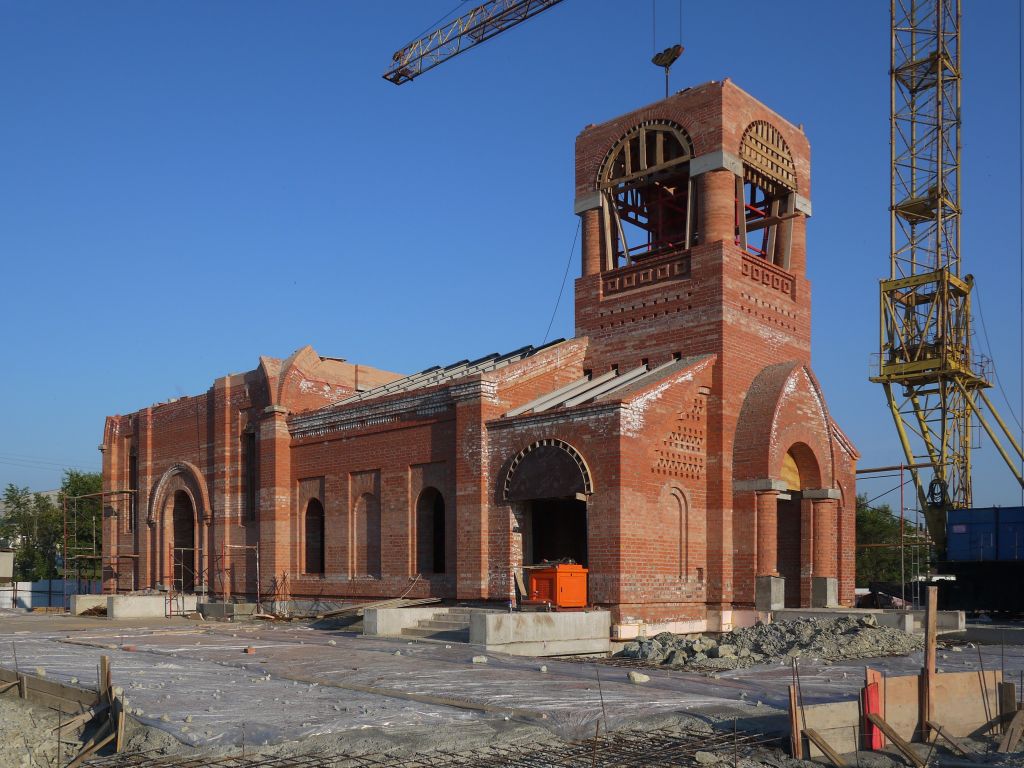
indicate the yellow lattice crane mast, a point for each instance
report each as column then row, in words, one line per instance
column 934, row 384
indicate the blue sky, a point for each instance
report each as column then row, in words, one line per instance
column 187, row 185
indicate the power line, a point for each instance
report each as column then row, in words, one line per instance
column 568, row 263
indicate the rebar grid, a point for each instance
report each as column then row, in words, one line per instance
column 624, row 749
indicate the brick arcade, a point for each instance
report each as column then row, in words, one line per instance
column 679, row 446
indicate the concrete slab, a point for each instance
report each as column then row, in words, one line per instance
column 542, row 634
column 224, row 611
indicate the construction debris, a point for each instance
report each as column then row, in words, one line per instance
column 830, row 639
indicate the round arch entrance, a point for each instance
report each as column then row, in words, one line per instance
column 799, row 472
column 550, row 482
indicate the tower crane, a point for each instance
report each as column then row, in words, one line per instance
column 471, row 29
column 935, row 385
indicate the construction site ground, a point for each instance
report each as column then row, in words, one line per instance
column 195, row 690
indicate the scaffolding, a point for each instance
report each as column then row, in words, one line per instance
column 83, row 526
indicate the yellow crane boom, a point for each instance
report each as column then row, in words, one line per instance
column 465, row 32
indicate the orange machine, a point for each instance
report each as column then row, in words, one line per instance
column 561, row 586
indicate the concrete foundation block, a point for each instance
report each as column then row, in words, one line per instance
column 542, row 634
column 224, row 611
column 824, row 592
column 82, row 603
column 769, row 593
column 136, row 606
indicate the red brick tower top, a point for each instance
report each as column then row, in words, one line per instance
column 693, row 215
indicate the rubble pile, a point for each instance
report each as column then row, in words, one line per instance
column 828, row 639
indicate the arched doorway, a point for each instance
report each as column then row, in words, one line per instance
column 799, row 471
column 431, row 532
column 183, row 521
column 551, row 482
column 314, row 534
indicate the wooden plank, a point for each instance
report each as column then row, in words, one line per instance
column 951, row 740
column 905, row 749
column 118, row 713
column 1007, row 697
column 41, row 685
column 93, row 747
column 825, row 747
column 927, row 689
column 82, row 718
column 870, row 704
column 1012, row 736
column 873, row 676
column 796, row 743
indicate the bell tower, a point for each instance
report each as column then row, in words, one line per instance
column 693, row 216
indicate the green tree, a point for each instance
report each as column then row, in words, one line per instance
column 877, row 526
column 34, row 526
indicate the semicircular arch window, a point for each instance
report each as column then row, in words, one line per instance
column 647, row 197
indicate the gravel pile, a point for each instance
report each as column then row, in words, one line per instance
column 827, row 639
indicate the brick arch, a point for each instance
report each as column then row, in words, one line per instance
column 181, row 476
column 784, row 407
column 551, row 464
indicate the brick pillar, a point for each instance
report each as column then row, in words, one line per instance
column 825, row 529
column 591, row 226
column 107, row 522
column 275, row 499
column 767, row 533
column 718, row 206
column 473, row 406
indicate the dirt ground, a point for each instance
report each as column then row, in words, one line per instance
column 192, row 689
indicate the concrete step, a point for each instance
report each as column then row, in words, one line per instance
column 453, row 636
column 443, row 624
column 466, row 611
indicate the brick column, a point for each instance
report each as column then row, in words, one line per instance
column 591, row 248
column 825, row 529
column 718, row 204
column 767, row 533
column 473, row 406
column 275, row 497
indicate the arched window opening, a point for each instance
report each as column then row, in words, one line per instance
column 314, row 528
column 366, row 536
column 647, row 195
column 430, row 532
column 765, row 196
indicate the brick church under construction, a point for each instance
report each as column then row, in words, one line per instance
column 679, row 447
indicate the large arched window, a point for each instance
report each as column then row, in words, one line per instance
column 647, row 195
column 765, row 196
column 314, row 529
column 366, row 536
column 430, row 532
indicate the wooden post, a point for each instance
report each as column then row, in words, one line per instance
column 796, row 738
column 928, row 673
column 105, row 679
